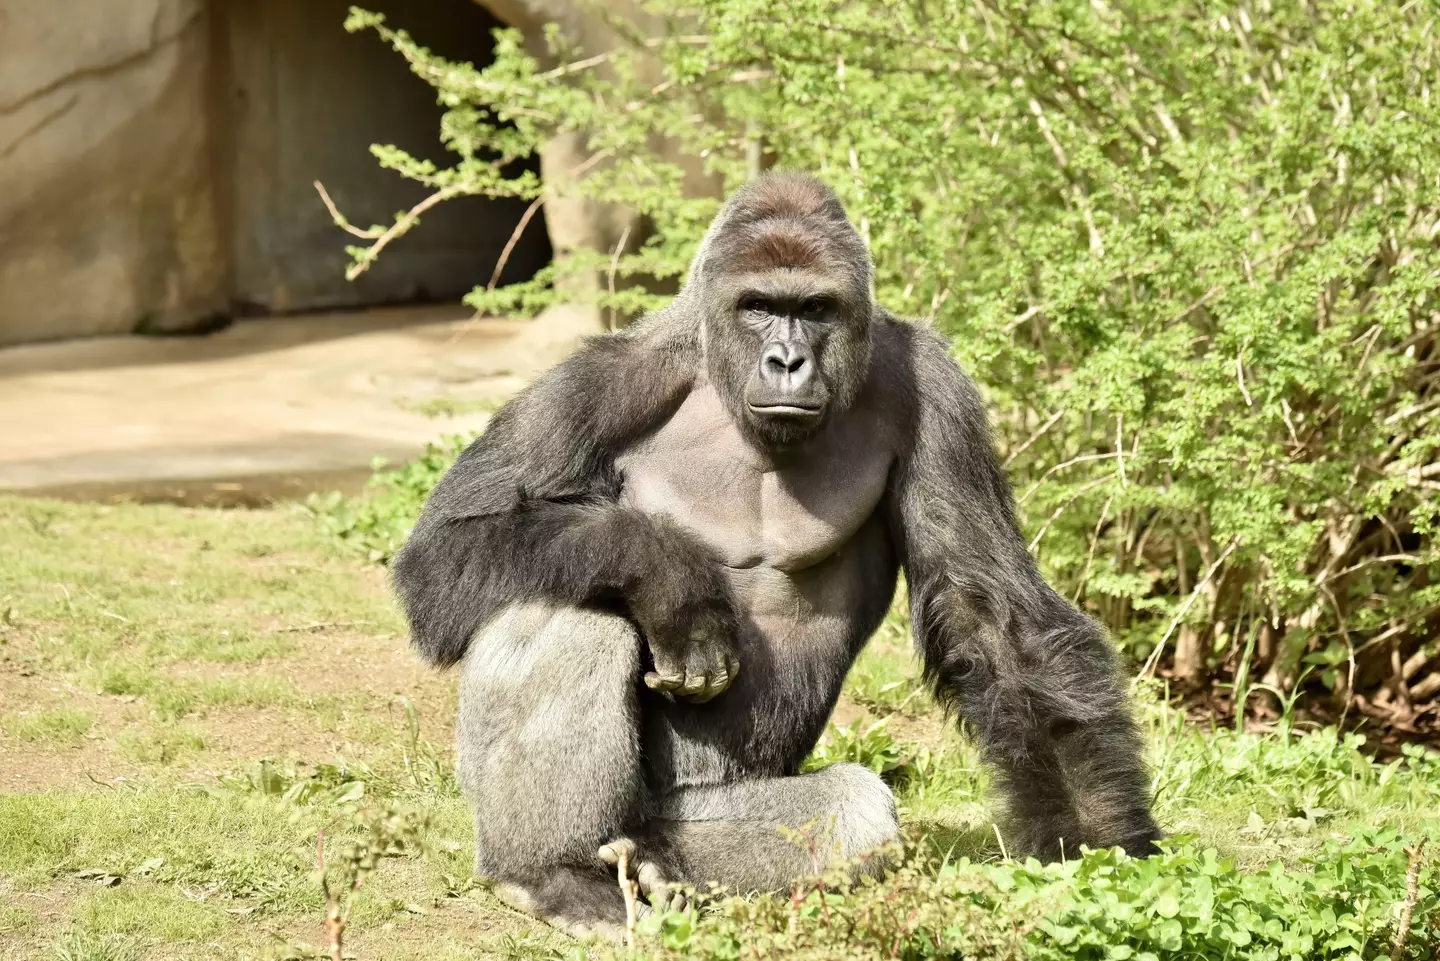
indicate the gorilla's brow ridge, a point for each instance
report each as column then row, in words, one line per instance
column 779, row 243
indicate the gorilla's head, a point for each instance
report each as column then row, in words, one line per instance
column 783, row 280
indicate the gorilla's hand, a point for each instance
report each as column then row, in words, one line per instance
column 688, row 619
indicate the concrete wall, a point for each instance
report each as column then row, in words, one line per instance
column 307, row 100
column 107, row 207
column 156, row 160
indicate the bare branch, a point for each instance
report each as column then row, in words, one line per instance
column 1054, row 418
column 1154, row 657
column 342, row 221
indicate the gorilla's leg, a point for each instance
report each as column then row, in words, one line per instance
column 735, row 834
column 549, row 756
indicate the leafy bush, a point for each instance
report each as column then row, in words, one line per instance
column 1185, row 903
column 377, row 523
column 1188, row 248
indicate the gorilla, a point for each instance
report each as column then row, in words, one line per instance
column 659, row 561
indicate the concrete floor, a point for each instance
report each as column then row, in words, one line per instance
column 262, row 410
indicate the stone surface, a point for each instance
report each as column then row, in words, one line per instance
column 107, row 213
column 157, row 161
column 264, row 409
column 306, row 100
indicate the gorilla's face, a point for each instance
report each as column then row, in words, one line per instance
column 783, row 284
column 790, row 351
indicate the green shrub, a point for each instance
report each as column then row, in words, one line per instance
column 377, row 522
column 1189, row 249
column 1185, row 903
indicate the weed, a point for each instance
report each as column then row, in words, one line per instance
column 60, row 726
column 161, row 744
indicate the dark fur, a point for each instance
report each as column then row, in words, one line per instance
column 534, row 513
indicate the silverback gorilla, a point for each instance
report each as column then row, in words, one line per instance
column 660, row 560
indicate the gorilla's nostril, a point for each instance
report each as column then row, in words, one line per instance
column 775, row 365
column 795, row 364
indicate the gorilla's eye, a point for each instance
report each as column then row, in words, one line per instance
column 755, row 305
column 813, row 307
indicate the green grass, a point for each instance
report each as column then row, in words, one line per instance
column 1297, row 831
column 62, row 726
column 161, row 744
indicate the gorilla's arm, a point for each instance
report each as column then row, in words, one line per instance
column 1032, row 675
column 529, row 512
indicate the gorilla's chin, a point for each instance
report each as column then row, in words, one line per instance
column 783, row 425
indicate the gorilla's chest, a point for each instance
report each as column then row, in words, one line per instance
column 752, row 509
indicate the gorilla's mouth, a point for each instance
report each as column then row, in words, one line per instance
column 787, row 410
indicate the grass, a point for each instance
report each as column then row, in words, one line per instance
column 59, row 727
column 200, row 703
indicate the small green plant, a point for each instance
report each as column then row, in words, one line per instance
column 875, row 749
column 161, row 744
column 60, row 726
column 1187, row 902
column 83, row 946
column 377, row 522
column 338, row 782
column 390, row 832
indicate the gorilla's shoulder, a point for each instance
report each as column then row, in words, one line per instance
column 912, row 363
column 909, row 352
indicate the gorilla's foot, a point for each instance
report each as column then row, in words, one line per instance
column 656, row 887
column 582, row 903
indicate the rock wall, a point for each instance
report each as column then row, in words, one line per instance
column 306, row 101
column 156, row 160
column 107, row 208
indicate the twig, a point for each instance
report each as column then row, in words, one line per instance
column 1045, row 132
column 334, row 919
column 317, row 626
column 1094, row 543
column 628, row 891
column 1370, row 562
column 402, row 223
column 1412, row 894
column 342, row 221
column 1059, row 467
column 1120, row 446
column 1021, row 318
column 1199, row 302
column 514, row 239
column 614, row 265
column 1185, row 608
column 1062, row 508
column 1035, row 436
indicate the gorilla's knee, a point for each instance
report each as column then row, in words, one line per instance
column 862, row 810
column 539, row 682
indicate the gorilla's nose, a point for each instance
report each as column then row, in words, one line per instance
column 786, row 367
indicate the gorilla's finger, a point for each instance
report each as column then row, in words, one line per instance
column 716, row 685
column 658, row 682
column 695, row 684
column 705, row 695
column 651, row 879
column 610, row 853
column 732, row 666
